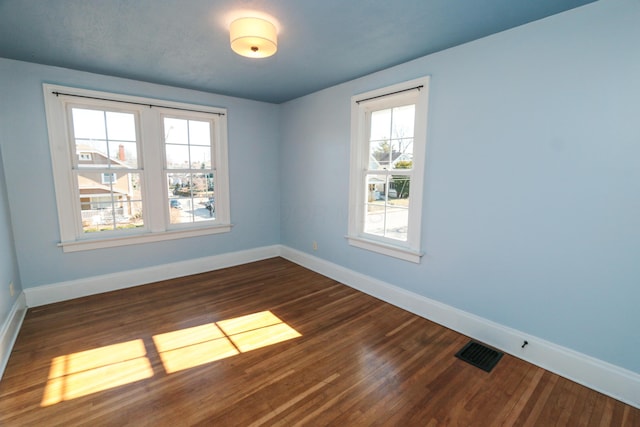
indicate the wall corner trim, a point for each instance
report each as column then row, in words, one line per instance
column 606, row 378
column 10, row 329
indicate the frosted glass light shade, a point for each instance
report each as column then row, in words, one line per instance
column 253, row 37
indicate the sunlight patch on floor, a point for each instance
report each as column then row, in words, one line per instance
column 86, row 372
column 190, row 347
column 91, row 371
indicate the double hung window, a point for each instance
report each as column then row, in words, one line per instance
column 387, row 168
column 132, row 170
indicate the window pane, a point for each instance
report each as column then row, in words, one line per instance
column 177, row 184
column 399, row 189
column 375, row 187
column 380, row 125
column 199, row 185
column 116, row 204
column 200, row 157
column 105, row 138
column 205, row 208
column 199, row 133
column 374, row 219
column 380, row 135
column 391, row 138
column 89, row 124
column 98, row 218
column 402, row 150
column 191, row 197
column 402, row 121
column 121, row 126
column 380, row 155
column 397, row 221
column 176, row 131
column 387, row 206
column 123, row 155
column 92, row 152
column 179, row 210
column 187, row 144
column 177, row 156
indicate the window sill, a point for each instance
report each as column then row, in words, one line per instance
column 386, row 249
column 112, row 242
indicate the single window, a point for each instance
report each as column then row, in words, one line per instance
column 109, row 178
column 388, row 141
column 119, row 182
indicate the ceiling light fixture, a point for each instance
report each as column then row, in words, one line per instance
column 253, row 37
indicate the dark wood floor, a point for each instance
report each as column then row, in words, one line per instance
column 184, row 352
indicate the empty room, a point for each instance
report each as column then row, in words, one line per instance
column 349, row 213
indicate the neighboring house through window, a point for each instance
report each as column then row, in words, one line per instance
column 388, row 139
column 123, row 164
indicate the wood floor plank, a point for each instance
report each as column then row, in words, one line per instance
column 269, row 343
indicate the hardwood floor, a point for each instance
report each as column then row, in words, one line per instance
column 314, row 352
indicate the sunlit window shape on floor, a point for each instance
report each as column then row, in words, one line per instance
column 191, row 347
column 80, row 374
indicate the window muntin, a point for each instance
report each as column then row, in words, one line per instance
column 111, row 177
column 387, row 169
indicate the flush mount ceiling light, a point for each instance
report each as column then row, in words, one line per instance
column 253, row 37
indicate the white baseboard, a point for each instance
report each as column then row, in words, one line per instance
column 71, row 289
column 10, row 329
column 612, row 380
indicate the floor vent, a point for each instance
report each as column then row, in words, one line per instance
column 479, row 355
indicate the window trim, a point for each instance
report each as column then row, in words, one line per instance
column 417, row 91
column 149, row 111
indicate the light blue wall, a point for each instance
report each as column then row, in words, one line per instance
column 253, row 129
column 531, row 212
column 8, row 262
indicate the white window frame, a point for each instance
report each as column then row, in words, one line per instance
column 151, row 164
column 362, row 105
